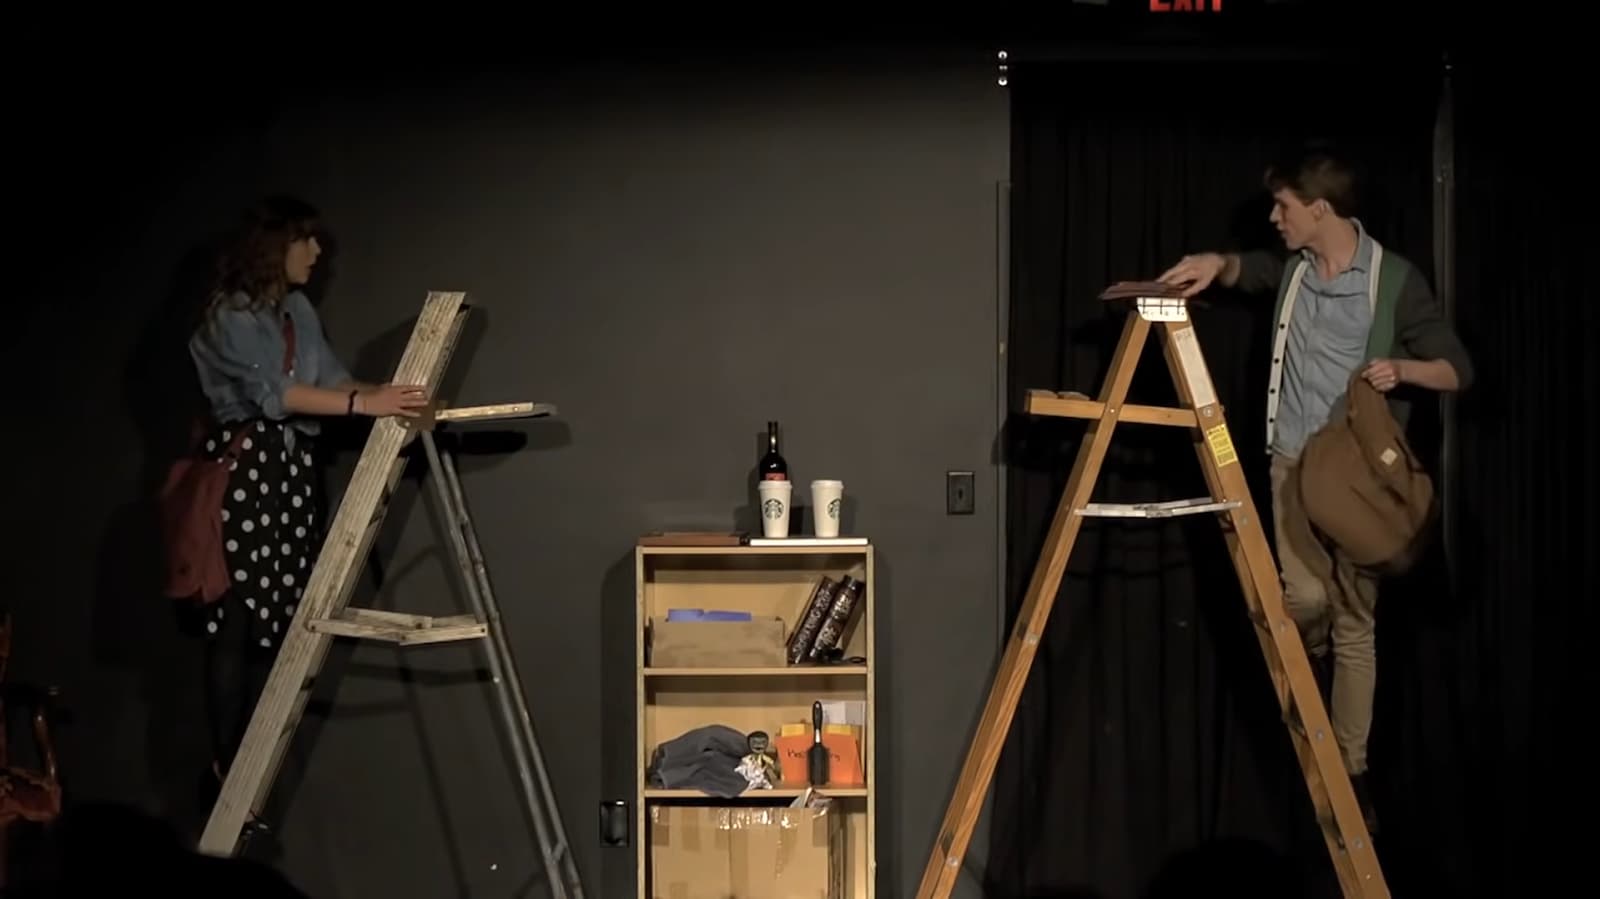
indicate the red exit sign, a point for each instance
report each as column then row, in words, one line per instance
column 1186, row 5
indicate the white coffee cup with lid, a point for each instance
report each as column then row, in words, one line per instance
column 827, row 501
column 775, row 496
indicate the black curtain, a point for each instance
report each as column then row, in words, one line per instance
column 1494, row 700
column 1148, row 745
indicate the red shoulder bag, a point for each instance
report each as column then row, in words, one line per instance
column 195, row 567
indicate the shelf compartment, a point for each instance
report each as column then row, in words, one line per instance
column 674, row 707
column 765, row 591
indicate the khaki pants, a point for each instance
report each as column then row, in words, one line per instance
column 1330, row 617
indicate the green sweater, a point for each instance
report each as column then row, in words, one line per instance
column 1407, row 322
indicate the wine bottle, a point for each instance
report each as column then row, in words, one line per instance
column 773, row 466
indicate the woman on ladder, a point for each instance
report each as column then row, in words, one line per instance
column 268, row 375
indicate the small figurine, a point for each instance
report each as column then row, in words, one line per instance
column 760, row 766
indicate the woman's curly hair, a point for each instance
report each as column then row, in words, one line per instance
column 253, row 263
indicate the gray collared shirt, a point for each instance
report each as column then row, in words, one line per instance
column 1326, row 344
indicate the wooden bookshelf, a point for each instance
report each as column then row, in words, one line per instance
column 766, row 581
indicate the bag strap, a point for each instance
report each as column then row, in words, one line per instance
column 288, row 344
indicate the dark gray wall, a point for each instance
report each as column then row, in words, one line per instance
column 673, row 254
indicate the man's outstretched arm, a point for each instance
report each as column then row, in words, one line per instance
column 1256, row 271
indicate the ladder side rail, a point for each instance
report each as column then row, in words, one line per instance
column 983, row 752
column 1354, row 861
column 488, row 611
column 287, row 689
column 452, row 519
column 433, row 341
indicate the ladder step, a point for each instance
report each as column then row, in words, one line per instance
column 495, row 412
column 1070, row 404
column 398, row 627
column 1157, row 510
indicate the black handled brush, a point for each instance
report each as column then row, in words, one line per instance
column 817, row 756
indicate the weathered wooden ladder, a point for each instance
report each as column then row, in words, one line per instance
column 323, row 613
column 1338, row 813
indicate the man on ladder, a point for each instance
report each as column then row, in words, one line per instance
column 1346, row 305
column 1355, row 324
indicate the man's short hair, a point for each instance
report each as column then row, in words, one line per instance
column 1315, row 170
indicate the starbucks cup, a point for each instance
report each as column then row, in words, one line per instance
column 775, row 497
column 826, row 499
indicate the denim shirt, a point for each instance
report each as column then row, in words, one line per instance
column 1327, row 343
column 238, row 355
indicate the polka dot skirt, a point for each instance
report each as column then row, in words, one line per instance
column 271, row 530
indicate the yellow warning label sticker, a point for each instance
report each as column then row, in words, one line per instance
column 1221, row 445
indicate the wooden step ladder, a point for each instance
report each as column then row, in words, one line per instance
column 323, row 613
column 1338, row 812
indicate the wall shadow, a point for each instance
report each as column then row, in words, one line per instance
column 619, row 736
column 149, row 639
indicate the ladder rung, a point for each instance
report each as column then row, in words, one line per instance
column 1077, row 405
column 399, row 627
column 1157, row 510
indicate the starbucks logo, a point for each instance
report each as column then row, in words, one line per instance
column 833, row 508
column 772, row 508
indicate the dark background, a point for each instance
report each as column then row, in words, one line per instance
column 677, row 240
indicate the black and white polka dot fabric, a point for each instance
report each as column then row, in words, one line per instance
column 271, row 532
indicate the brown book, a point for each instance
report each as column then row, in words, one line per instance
column 692, row 538
column 1130, row 290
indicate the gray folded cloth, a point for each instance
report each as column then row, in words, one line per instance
column 705, row 759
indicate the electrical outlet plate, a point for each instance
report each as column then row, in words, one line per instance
column 958, row 498
column 614, row 823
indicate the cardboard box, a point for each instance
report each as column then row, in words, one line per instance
column 747, row 852
column 717, row 644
